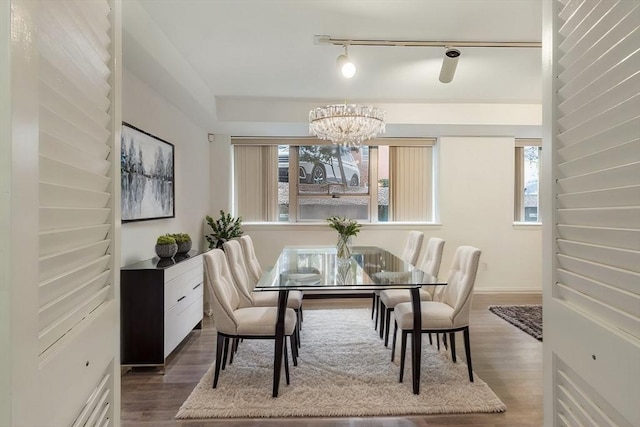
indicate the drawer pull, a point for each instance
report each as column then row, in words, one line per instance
column 181, row 298
column 197, row 286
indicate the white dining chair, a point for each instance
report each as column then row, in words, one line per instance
column 410, row 254
column 233, row 321
column 430, row 264
column 254, row 269
column 450, row 314
column 250, row 298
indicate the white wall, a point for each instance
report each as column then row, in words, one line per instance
column 476, row 192
column 145, row 109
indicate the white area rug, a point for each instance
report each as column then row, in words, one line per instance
column 343, row 370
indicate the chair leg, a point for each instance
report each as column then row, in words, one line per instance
column 233, row 349
column 467, row 349
column 403, row 353
column 219, row 345
column 377, row 310
column 387, row 322
column 286, row 361
column 225, row 352
column 438, row 341
column 381, row 311
column 393, row 344
column 430, row 340
column 373, row 304
column 444, row 341
column 452, row 340
column 294, row 349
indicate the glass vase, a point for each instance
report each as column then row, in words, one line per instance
column 344, row 247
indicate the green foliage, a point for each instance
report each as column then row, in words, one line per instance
column 167, row 239
column 181, row 237
column 225, row 228
column 344, row 226
column 384, row 182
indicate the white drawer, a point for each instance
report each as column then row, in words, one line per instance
column 182, row 267
column 181, row 286
column 180, row 320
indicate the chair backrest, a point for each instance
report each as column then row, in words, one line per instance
column 432, row 256
column 412, row 248
column 225, row 296
column 431, row 265
column 236, row 264
column 251, row 260
column 459, row 289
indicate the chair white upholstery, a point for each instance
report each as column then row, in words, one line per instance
column 410, row 254
column 451, row 313
column 249, row 298
column 430, row 264
column 412, row 247
column 233, row 321
column 254, row 269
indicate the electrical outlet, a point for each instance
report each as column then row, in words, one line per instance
column 484, row 266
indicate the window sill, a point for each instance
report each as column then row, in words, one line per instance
column 517, row 225
column 319, row 225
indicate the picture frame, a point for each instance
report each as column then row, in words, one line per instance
column 147, row 172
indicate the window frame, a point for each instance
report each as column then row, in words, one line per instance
column 373, row 144
column 519, row 181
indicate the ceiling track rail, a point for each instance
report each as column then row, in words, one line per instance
column 325, row 39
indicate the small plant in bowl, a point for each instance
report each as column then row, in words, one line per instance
column 166, row 246
column 184, row 242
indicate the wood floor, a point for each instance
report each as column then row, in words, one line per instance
column 507, row 359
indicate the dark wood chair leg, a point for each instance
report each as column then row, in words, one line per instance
column 225, row 352
column 294, row 349
column 452, row 340
column 232, row 350
column 219, row 345
column 387, row 321
column 430, row 339
column 403, row 353
column 444, row 341
column 373, row 305
column 438, row 340
column 467, row 349
column 286, row 361
column 393, row 344
column 381, row 314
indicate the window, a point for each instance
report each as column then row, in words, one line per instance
column 377, row 183
column 527, row 199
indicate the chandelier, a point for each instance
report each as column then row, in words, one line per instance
column 346, row 124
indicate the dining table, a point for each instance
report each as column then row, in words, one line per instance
column 318, row 269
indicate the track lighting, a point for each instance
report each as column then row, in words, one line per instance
column 347, row 68
column 449, row 64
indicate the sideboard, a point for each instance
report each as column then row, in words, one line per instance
column 161, row 302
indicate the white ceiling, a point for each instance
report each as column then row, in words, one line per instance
column 216, row 59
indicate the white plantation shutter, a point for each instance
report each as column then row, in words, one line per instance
column 593, row 313
column 77, row 302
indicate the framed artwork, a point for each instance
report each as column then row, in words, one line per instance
column 147, row 176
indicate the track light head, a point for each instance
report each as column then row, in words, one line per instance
column 347, row 68
column 449, row 64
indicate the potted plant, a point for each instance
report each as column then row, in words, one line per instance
column 225, row 228
column 184, row 242
column 166, row 246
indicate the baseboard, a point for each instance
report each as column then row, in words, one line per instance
column 367, row 294
column 507, row 291
column 327, row 295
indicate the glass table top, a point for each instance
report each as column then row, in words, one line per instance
column 318, row 268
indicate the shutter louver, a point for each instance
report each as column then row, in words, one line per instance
column 598, row 169
column 74, row 166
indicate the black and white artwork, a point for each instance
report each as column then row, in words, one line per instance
column 147, row 176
